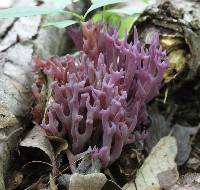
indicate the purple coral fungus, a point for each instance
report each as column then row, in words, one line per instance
column 99, row 99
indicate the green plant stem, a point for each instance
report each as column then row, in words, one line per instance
column 75, row 15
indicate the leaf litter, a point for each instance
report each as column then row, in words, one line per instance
column 162, row 154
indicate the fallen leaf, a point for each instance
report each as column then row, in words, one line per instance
column 167, row 177
column 193, row 163
column 183, row 134
column 187, row 182
column 7, row 119
column 2, row 184
column 159, row 128
column 9, row 133
column 129, row 186
column 93, row 181
column 36, row 138
column 160, row 161
column 15, row 180
column 111, row 185
column 39, row 184
column 63, row 180
column 53, row 185
column 58, row 144
column 20, row 39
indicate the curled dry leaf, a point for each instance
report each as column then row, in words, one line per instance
column 159, row 170
column 58, row 144
column 9, row 132
column 93, row 181
column 37, row 138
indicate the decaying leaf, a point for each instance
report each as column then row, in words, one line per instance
column 111, row 185
column 129, row 186
column 37, row 157
column 128, row 163
column 9, row 133
column 64, row 180
column 93, row 181
column 7, row 119
column 187, row 182
column 37, row 138
column 160, row 163
column 40, row 97
column 53, row 185
column 14, row 181
column 160, row 127
column 182, row 134
column 193, row 163
column 39, row 184
column 2, row 184
column 176, row 56
column 19, row 40
column 58, row 144
column 168, row 177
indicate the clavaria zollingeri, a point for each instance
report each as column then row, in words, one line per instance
column 99, row 98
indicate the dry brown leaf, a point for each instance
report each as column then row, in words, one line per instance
column 160, row 163
column 129, row 186
column 183, row 134
column 7, row 119
column 36, row 138
column 15, row 180
column 9, row 132
column 53, row 185
column 93, row 181
column 58, row 144
column 193, row 163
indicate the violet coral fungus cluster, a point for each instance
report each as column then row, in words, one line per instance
column 99, row 98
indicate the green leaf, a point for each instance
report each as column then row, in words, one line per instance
column 127, row 10
column 146, row 1
column 28, row 11
column 101, row 3
column 62, row 24
column 124, row 24
column 107, row 17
